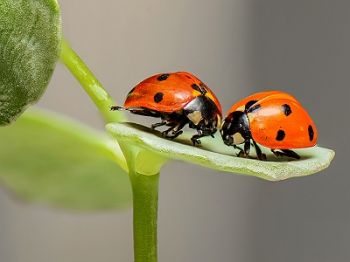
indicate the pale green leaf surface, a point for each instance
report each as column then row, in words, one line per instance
column 213, row 153
column 30, row 39
column 49, row 159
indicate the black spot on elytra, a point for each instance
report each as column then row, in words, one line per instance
column 280, row 135
column 311, row 132
column 163, row 77
column 196, row 87
column 158, row 97
column 250, row 103
column 286, row 109
column 252, row 106
column 200, row 88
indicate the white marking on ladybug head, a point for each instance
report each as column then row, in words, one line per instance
column 238, row 138
column 195, row 117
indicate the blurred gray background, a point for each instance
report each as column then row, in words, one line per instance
column 237, row 47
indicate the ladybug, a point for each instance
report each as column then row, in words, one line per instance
column 177, row 99
column 274, row 119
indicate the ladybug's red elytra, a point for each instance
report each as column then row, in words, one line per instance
column 274, row 119
column 177, row 99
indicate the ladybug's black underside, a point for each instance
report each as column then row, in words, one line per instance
column 200, row 114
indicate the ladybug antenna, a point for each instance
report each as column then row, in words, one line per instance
column 119, row 108
column 203, row 91
column 203, row 88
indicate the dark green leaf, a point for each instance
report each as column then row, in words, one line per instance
column 47, row 159
column 30, row 37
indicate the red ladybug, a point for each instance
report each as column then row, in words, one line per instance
column 177, row 99
column 273, row 119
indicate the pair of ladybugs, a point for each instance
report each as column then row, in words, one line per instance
column 273, row 119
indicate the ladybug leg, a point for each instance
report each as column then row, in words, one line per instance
column 240, row 149
column 194, row 138
column 290, row 153
column 175, row 129
column 244, row 152
column 246, row 148
column 200, row 133
column 166, row 132
column 259, row 154
column 174, row 133
column 277, row 153
column 163, row 123
column 285, row 152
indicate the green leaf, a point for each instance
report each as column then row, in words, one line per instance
column 213, row 153
column 30, row 37
column 45, row 158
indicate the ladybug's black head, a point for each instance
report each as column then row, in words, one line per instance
column 203, row 114
column 235, row 128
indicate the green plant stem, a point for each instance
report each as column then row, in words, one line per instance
column 145, row 203
column 92, row 86
column 90, row 83
column 145, row 187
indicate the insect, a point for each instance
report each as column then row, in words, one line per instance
column 177, row 99
column 274, row 119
